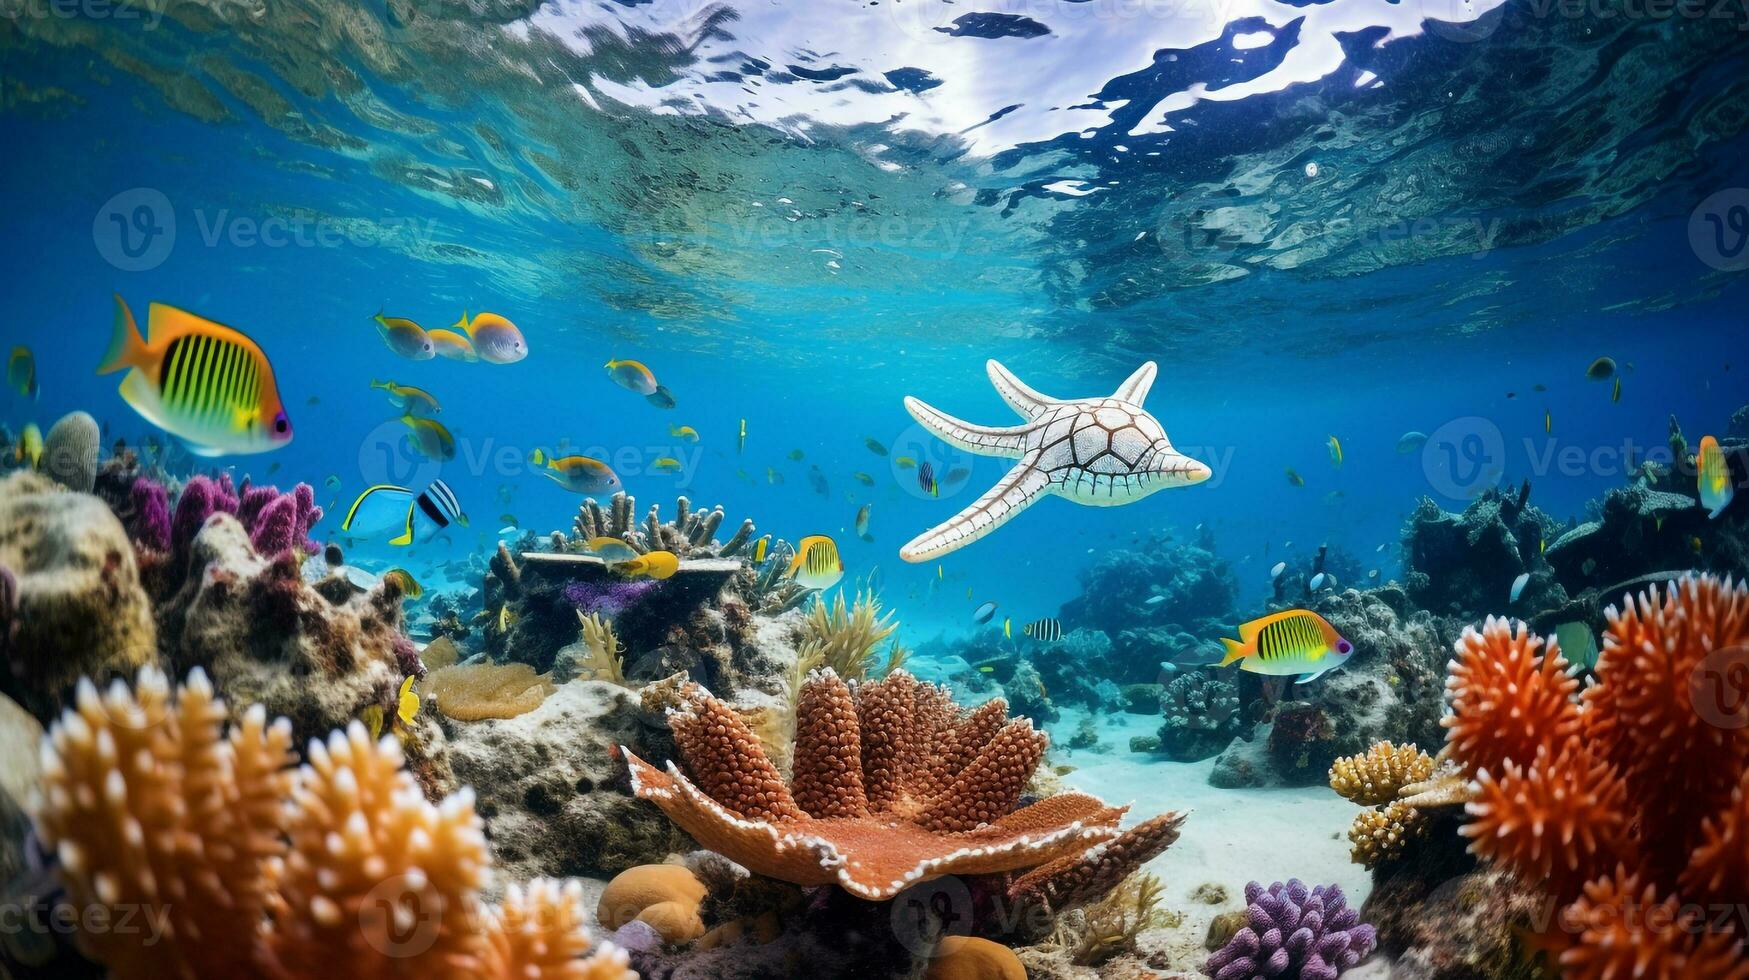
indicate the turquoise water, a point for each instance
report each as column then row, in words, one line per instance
column 1314, row 232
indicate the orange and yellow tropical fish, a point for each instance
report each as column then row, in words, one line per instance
column 1292, row 643
column 1714, row 477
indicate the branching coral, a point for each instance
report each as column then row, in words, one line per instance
column 1094, row 934
column 1379, row 835
column 690, row 535
column 1293, row 932
column 843, row 638
column 1631, row 797
column 474, row 692
column 597, row 653
column 154, row 808
column 1374, row 778
column 893, row 784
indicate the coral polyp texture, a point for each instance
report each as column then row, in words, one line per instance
column 893, row 784
column 1628, row 799
column 1292, row 931
column 339, row 868
column 1374, row 777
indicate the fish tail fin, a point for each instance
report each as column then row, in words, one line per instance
column 127, row 348
column 538, row 457
column 463, row 325
column 1235, row 651
column 406, row 536
column 378, row 385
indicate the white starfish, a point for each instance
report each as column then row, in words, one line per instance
column 1097, row 451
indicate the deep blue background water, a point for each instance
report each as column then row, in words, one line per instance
column 1254, row 375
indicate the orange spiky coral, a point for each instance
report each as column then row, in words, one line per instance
column 1632, row 791
column 152, row 806
column 1508, row 696
column 893, row 784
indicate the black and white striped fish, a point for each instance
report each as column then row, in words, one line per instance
column 1045, row 630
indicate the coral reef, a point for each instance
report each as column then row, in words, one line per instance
column 1202, row 716
column 892, row 785
column 972, row 958
column 1293, row 932
column 1091, row 935
column 690, row 535
column 1375, row 777
column 843, row 638
column 666, row 896
column 152, row 804
column 1642, row 530
column 1464, row 564
column 1626, row 801
column 597, row 654
column 70, row 452
column 75, row 605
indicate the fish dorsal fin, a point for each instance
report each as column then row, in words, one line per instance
column 1135, row 388
column 352, row 512
column 167, row 321
column 1019, row 396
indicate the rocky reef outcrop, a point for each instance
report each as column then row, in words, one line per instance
column 1155, row 602
column 1464, row 564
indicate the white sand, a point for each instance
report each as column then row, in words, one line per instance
column 1231, row 837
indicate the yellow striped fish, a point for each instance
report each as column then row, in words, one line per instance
column 1044, row 630
column 816, row 564
column 1714, row 477
column 199, row 380
column 1290, row 643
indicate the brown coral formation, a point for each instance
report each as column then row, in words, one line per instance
column 893, row 784
column 1374, row 777
column 665, row 896
column 1626, row 803
column 1379, row 835
column 152, row 804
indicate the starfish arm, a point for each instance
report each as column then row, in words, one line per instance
column 986, row 440
column 1011, row 495
column 1135, row 388
column 1029, row 403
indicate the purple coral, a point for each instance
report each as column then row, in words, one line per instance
column 202, row 497
column 151, row 514
column 1294, row 932
column 607, row 598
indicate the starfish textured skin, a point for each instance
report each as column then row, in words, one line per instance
column 1102, row 452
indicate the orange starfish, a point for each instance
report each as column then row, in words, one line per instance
column 893, row 784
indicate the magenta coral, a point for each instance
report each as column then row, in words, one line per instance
column 607, row 598
column 201, row 498
column 151, row 519
column 1294, row 932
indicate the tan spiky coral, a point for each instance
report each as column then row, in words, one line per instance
column 597, row 654
column 893, row 784
column 1378, row 835
column 843, row 638
column 474, row 692
column 1374, row 777
column 1105, row 928
column 243, row 866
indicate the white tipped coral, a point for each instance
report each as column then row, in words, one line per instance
column 153, row 807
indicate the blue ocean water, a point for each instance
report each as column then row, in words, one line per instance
column 1329, row 220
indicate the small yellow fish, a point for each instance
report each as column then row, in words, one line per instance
column 816, row 564
column 430, row 438
column 407, row 398
column 865, row 479
column 772, row 476
column 632, row 375
column 1713, row 477
column 1008, row 627
column 986, row 669
column 904, row 462
column 1548, row 421
column 862, row 516
column 404, row 580
column 1291, row 643
column 760, row 548
column 452, row 345
column 1615, row 392
column 683, row 432
column 505, row 618
column 21, row 372
column 372, row 716
column 656, row 564
column 495, row 339
column 1542, row 546
column 665, row 464
column 30, row 446
column 797, row 454
column 1695, row 544
column 741, row 439
column 1335, row 446
column 611, row 549
column 578, row 474
column 405, row 337
column 407, row 704
column 1294, row 478
column 940, row 574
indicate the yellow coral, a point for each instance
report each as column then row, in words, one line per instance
column 1379, row 835
column 1374, row 777
column 1104, row 929
column 472, row 692
column 603, row 660
column 844, row 638
column 159, row 815
column 667, row 896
